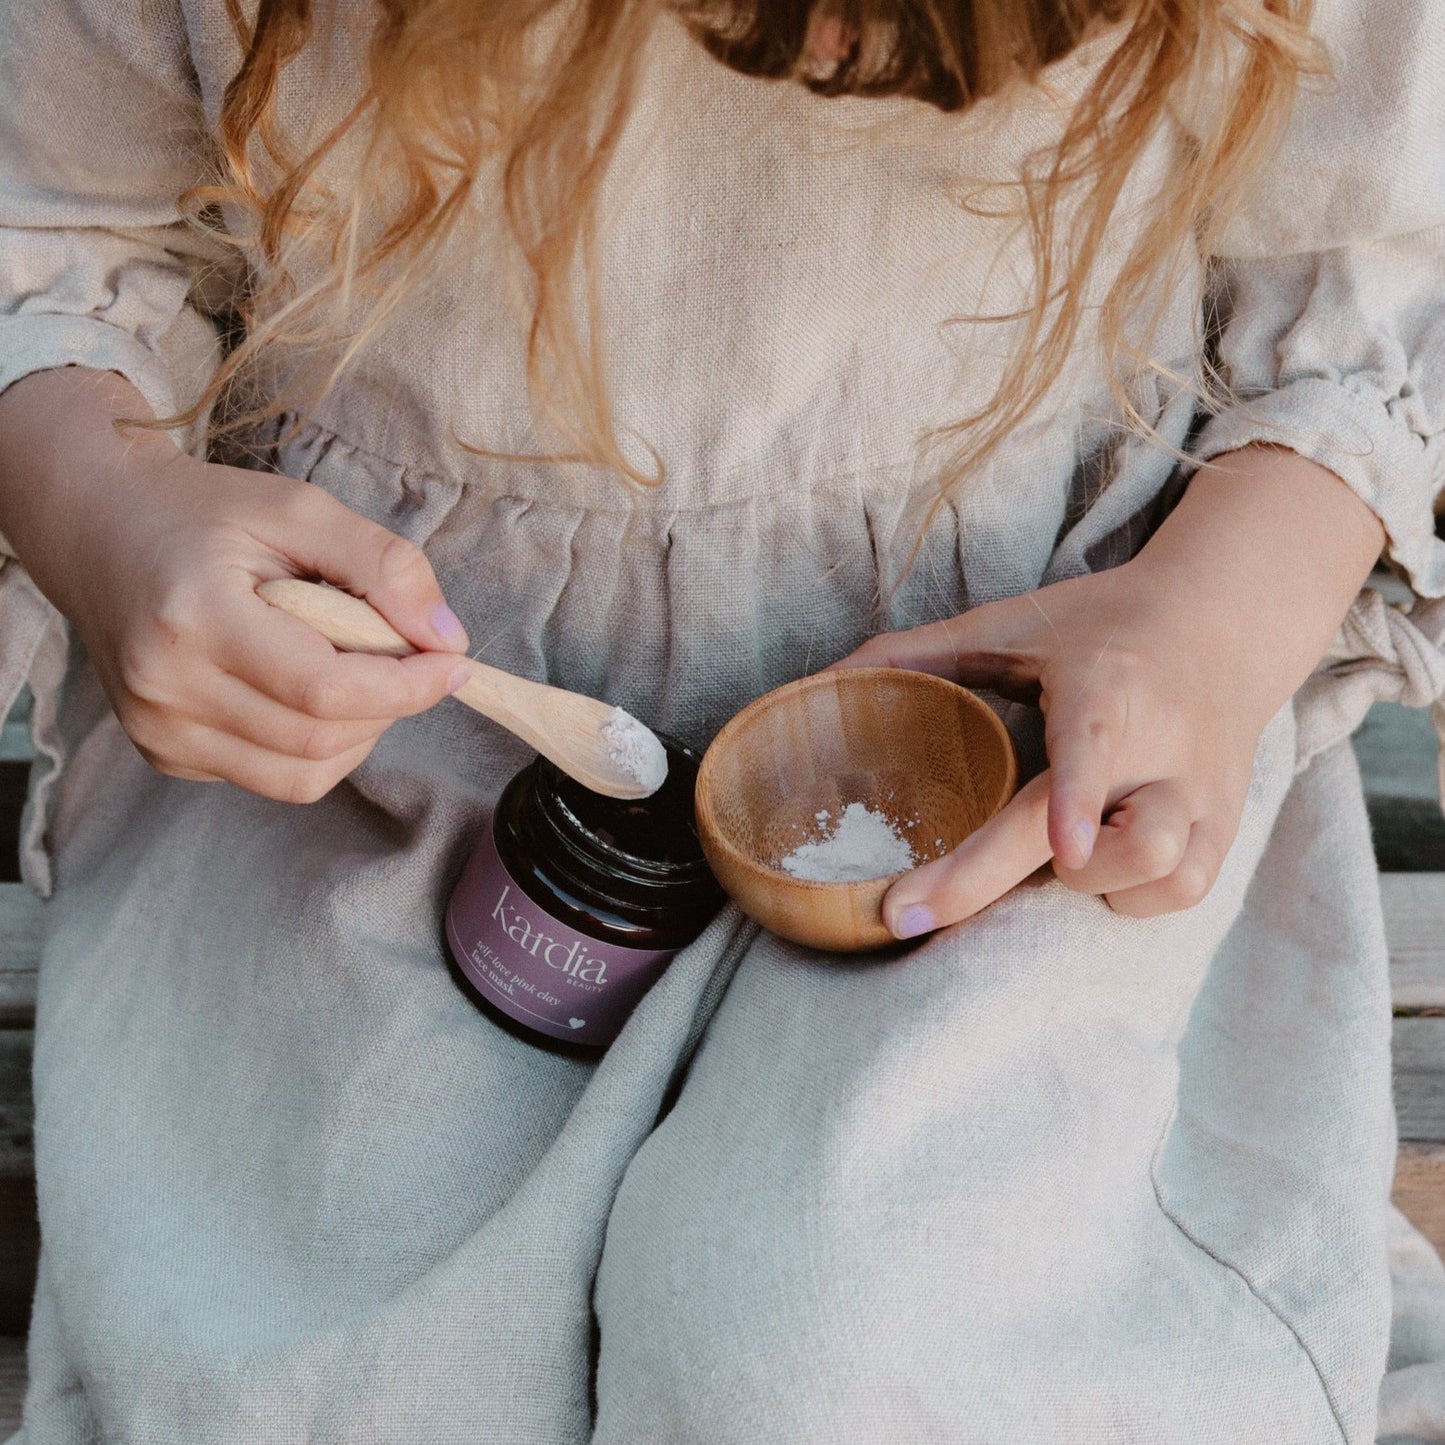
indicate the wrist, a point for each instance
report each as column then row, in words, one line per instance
column 1261, row 559
column 65, row 467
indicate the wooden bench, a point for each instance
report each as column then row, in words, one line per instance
column 1415, row 922
column 1415, row 926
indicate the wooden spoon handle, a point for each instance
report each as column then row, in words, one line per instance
column 347, row 622
column 343, row 620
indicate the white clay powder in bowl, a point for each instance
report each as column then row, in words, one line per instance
column 863, row 844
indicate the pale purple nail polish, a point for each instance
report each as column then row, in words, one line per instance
column 915, row 919
column 448, row 625
column 456, row 677
column 1084, row 833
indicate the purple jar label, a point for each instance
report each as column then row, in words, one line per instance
column 540, row 972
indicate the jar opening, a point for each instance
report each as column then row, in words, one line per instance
column 652, row 838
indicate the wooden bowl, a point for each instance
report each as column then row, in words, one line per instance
column 929, row 754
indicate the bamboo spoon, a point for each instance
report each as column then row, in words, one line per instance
column 601, row 746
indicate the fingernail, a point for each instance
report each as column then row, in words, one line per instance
column 448, row 626
column 915, row 919
column 456, row 677
column 1084, row 833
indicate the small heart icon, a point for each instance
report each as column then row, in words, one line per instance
column 575, row 1023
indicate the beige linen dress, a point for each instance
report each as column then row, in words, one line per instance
column 1053, row 1175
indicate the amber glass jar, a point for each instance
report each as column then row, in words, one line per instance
column 572, row 904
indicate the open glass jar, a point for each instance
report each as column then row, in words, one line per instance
column 572, row 904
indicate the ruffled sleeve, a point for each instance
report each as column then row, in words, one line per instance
column 101, row 130
column 1330, row 289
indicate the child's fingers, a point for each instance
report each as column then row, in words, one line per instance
column 977, row 648
column 288, row 661
column 1081, row 735
column 201, row 753
column 231, row 705
column 983, row 867
column 326, row 538
column 1186, row 885
column 1142, row 840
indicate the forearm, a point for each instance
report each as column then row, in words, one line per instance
column 1275, row 549
column 61, row 458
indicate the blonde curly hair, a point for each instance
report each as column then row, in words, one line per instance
column 540, row 91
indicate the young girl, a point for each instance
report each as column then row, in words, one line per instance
column 669, row 352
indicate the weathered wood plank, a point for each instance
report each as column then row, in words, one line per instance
column 1420, row 1189
column 15, row 756
column 1415, row 926
column 1420, row 1078
column 20, row 918
column 15, row 742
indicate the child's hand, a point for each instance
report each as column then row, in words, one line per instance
column 155, row 557
column 1156, row 680
column 1147, row 728
column 209, row 681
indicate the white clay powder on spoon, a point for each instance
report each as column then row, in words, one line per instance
column 635, row 750
column 864, row 845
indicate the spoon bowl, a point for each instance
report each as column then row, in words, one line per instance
column 930, row 755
